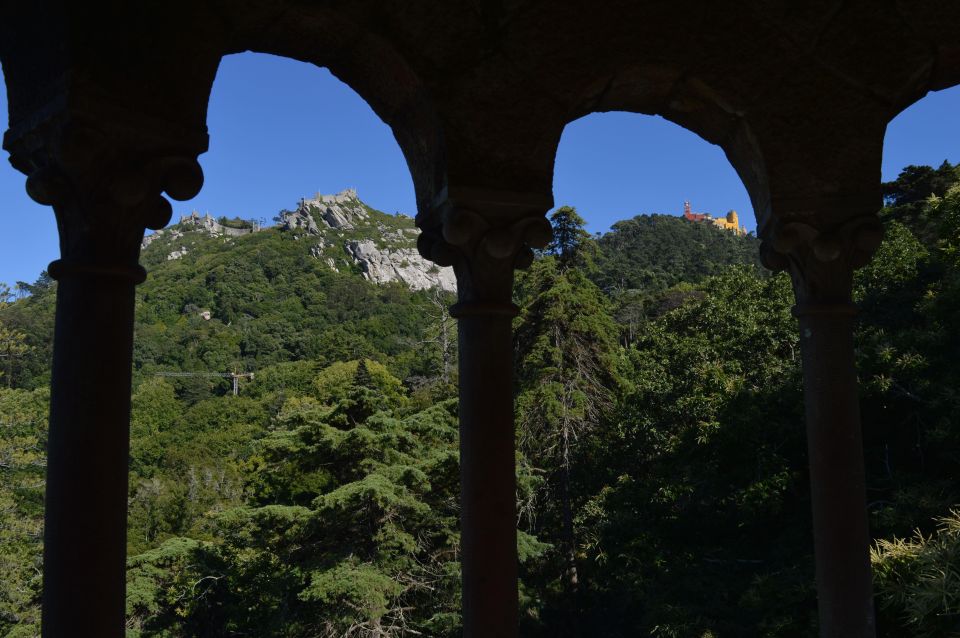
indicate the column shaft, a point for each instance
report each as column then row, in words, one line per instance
column 86, row 492
column 485, row 235
column 841, row 537
column 487, row 471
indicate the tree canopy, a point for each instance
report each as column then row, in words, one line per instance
column 662, row 470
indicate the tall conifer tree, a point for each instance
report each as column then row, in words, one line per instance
column 566, row 348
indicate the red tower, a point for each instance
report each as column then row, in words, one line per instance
column 689, row 214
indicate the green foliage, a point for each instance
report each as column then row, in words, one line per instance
column 354, row 534
column 906, row 198
column 915, row 184
column 23, row 429
column 895, row 265
column 571, row 244
column 359, row 595
column 13, row 346
column 662, row 461
column 567, row 360
column 918, row 579
column 26, row 335
column 235, row 222
column 270, row 302
column 907, row 348
column 654, row 252
column 288, row 377
column 345, row 381
column 160, row 591
column 710, row 431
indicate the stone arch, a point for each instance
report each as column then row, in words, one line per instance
column 182, row 71
column 624, row 153
column 691, row 105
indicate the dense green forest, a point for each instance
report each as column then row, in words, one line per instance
column 661, row 448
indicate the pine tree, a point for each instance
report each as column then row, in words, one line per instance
column 567, row 351
column 362, row 400
column 571, row 244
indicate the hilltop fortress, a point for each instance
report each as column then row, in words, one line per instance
column 229, row 227
column 196, row 221
column 730, row 221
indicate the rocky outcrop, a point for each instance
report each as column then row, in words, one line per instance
column 391, row 256
column 298, row 219
column 399, row 264
column 342, row 211
column 336, row 229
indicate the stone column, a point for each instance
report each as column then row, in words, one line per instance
column 104, row 193
column 821, row 265
column 484, row 251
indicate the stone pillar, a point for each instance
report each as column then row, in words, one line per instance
column 86, row 495
column 485, row 246
column 487, row 473
column 821, row 265
column 104, row 192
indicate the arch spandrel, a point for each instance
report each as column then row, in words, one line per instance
column 937, row 24
column 113, row 72
column 342, row 42
column 479, row 97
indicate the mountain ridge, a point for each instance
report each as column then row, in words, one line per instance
column 340, row 230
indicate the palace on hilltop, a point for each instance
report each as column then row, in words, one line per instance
column 730, row 221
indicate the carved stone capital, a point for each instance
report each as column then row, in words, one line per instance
column 105, row 183
column 483, row 250
column 821, row 261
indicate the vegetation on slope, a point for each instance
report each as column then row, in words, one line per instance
column 662, row 461
column 654, row 252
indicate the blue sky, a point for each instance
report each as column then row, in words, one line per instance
column 281, row 130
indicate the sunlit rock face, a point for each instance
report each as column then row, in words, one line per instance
column 299, row 219
column 400, row 264
column 383, row 246
column 343, row 211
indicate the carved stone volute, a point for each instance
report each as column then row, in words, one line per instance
column 484, row 249
column 821, row 261
column 105, row 184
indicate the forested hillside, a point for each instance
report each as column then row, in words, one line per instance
column 654, row 252
column 661, row 461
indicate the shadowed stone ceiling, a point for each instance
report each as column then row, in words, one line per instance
column 478, row 93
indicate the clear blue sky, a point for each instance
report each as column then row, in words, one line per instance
column 281, row 130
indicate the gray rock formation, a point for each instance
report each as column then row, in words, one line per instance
column 149, row 239
column 399, row 264
column 154, row 236
column 341, row 211
column 383, row 246
column 300, row 218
